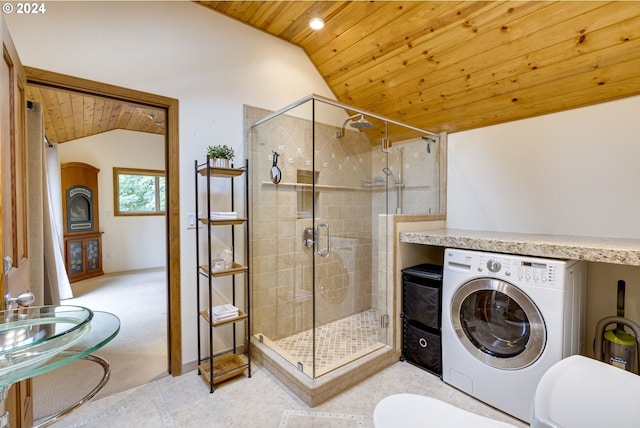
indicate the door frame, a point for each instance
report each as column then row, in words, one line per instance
column 51, row 79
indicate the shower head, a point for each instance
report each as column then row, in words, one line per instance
column 359, row 124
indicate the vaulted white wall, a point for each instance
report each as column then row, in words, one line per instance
column 211, row 64
column 572, row 173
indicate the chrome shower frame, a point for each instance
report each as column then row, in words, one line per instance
column 344, row 106
column 429, row 137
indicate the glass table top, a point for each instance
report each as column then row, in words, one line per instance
column 44, row 338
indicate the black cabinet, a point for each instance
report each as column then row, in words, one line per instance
column 422, row 316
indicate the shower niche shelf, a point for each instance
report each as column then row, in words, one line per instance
column 224, row 348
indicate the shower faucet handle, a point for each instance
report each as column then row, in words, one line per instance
column 307, row 237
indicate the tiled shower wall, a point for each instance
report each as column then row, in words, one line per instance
column 281, row 266
column 420, row 177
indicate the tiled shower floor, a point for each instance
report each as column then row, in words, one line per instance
column 336, row 343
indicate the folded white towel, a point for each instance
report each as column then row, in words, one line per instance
column 224, row 310
column 222, row 215
column 223, row 317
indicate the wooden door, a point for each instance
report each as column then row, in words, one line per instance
column 14, row 251
column 15, row 244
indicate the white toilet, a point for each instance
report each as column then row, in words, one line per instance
column 420, row 411
column 577, row 392
column 586, row 393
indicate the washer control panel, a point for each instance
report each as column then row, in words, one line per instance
column 527, row 271
column 517, row 269
column 494, row 265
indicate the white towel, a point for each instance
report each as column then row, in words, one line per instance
column 226, row 310
column 223, row 215
column 223, row 312
column 222, row 318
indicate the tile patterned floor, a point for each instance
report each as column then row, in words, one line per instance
column 336, row 341
column 185, row 402
column 310, row 418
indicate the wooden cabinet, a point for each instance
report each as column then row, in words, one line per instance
column 82, row 237
column 83, row 256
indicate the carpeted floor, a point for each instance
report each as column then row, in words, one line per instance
column 137, row 355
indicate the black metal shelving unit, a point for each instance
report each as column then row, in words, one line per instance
column 217, row 366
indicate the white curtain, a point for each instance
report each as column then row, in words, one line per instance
column 55, row 268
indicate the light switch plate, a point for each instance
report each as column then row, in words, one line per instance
column 191, row 220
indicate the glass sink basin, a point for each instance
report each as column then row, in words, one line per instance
column 32, row 336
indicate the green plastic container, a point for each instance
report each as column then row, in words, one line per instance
column 620, row 349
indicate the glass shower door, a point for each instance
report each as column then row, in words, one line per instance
column 349, row 196
column 319, row 225
column 282, row 255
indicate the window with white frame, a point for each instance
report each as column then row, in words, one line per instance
column 139, row 192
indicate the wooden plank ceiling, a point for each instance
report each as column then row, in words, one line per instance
column 451, row 66
column 72, row 115
column 440, row 66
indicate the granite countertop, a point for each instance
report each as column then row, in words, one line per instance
column 593, row 249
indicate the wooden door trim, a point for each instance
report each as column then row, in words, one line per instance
column 69, row 83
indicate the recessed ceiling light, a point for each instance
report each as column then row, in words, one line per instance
column 316, row 23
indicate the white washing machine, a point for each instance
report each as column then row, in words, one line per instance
column 505, row 320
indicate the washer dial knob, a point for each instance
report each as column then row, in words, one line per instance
column 493, row 265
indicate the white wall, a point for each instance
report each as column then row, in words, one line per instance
column 211, row 64
column 128, row 242
column 570, row 173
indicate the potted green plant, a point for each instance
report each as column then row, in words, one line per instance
column 220, row 155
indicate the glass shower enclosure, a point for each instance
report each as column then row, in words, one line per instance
column 324, row 179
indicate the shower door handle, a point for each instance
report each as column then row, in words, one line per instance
column 327, row 250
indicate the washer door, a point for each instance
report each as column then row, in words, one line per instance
column 498, row 323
